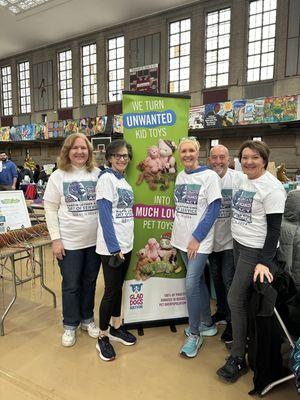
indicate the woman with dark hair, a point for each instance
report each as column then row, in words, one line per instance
column 71, row 215
column 114, row 244
column 257, row 209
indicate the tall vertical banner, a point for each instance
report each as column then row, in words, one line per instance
column 154, row 285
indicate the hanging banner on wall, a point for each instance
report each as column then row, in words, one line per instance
column 154, row 285
column 145, row 79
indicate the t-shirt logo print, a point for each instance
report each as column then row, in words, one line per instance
column 186, row 198
column 225, row 211
column 125, row 203
column 80, row 196
column 242, row 207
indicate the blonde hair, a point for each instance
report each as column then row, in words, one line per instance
column 64, row 162
column 191, row 140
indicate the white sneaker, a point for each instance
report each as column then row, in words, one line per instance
column 92, row 329
column 68, row 338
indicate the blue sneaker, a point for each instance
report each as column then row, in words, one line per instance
column 204, row 330
column 191, row 346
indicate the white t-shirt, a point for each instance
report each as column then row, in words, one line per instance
column 193, row 193
column 251, row 203
column 230, row 183
column 120, row 194
column 74, row 192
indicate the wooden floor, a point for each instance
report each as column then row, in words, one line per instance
column 34, row 365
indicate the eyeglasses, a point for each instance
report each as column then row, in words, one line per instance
column 119, row 156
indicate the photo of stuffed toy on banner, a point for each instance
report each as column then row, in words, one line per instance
column 158, row 169
column 157, row 259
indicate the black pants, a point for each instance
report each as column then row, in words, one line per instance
column 112, row 299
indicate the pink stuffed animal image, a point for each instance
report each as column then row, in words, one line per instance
column 152, row 248
column 166, row 149
column 153, row 161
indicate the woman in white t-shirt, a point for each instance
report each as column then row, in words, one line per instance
column 114, row 198
column 257, row 209
column 198, row 201
column 71, row 215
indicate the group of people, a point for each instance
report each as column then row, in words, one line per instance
column 229, row 218
column 90, row 221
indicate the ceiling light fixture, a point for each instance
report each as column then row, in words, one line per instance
column 20, row 6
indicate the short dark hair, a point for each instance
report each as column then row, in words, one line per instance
column 260, row 147
column 115, row 146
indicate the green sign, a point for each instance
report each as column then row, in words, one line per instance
column 154, row 125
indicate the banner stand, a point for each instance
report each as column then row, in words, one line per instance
column 154, row 287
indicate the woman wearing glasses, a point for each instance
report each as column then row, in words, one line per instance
column 198, row 200
column 114, row 244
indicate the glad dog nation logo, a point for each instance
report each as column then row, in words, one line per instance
column 136, row 298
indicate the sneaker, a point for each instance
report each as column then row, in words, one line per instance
column 233, row 369
column 191, row 346
column 122, row 335
column 105, row 349
column 219, row 318
column 204, row 330
column 226, row 336
column 91, row 328
column 68, row 338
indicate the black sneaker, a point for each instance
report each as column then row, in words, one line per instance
column 226, row 336
column 233, row 369
column 105, row 349
column 218, row 318
column 122, row 336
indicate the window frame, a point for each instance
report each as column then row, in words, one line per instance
column 186, row 56
column 9, row 92
column 259, row 43
column 218, row 49
column 27, row 96
column 117, row 92
column 90, row 75
column 66, row 80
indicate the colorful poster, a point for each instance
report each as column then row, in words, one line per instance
column 118, row 123
column 4, row 133
column 218, row 115
column 70, row 126
column 40, row 130
column 154, row 286
column 28, row 132
column 196, row 117
column 280, row 109
column 101, row 124
column 254, row 111
column 15, row 133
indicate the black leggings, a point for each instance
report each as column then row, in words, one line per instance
column 112, row 298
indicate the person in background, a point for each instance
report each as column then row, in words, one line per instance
column 257, row 209
column 71, row 216
column 114, row 244
column 43, row 176
column 221, row 259
column 197, row 196
column 8, row 173
column 36, row 173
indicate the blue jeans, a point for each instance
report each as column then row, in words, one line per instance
column 79, row 270
column 198, row 299
column 222, row 271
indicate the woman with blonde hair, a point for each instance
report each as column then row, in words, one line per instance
column 198, row 201
column 71, row 215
